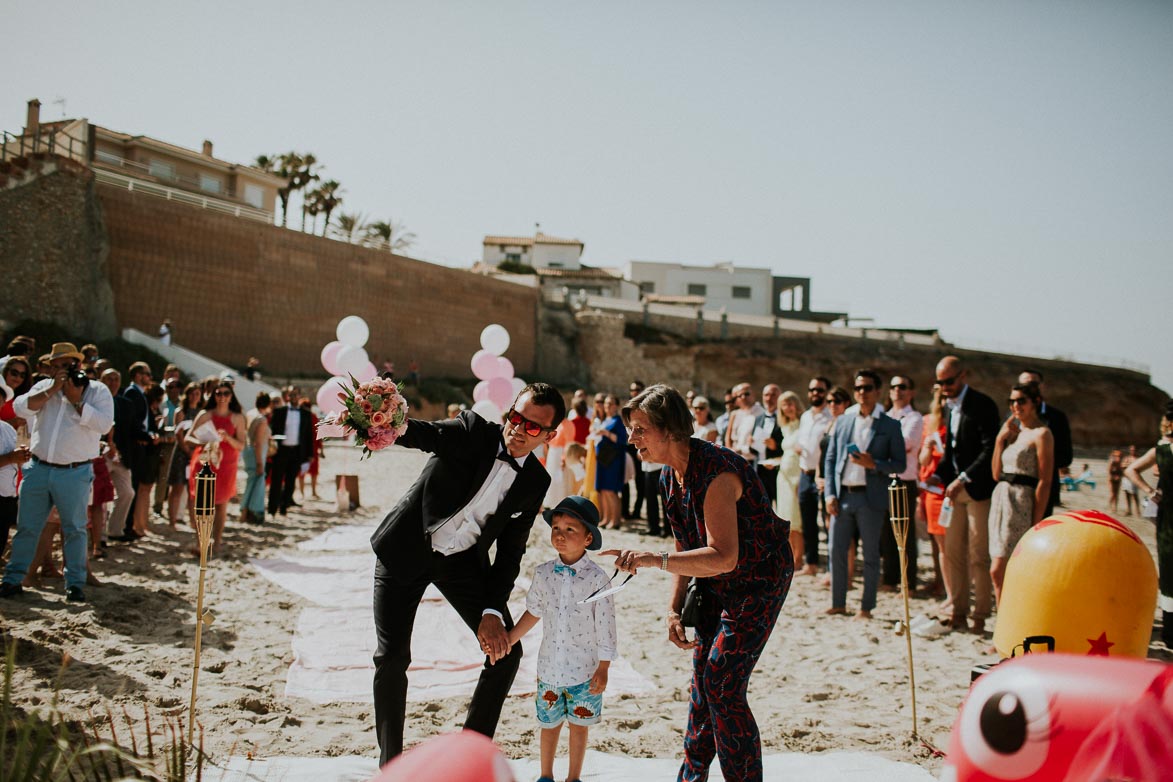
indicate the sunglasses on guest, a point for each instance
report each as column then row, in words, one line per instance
column 16, row 372
column 899, row 386
column 948, row 381
column 865, row 388
column 223, row 392
column 1019, row 400
column 532, row 428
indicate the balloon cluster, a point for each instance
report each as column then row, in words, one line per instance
column 342, row 358
column 498, row 387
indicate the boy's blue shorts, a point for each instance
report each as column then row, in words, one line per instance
column 575, row 704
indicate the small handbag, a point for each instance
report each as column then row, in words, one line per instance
column 693, row 601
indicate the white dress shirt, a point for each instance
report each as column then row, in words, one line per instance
column 912, row 426
column 954, row 407
column 292, row 428
column 811, row 425
column 59, row 433
column 461, row 531
column 7, row 472
column 574, row 637
column 854, row 474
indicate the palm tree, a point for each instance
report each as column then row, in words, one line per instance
column 392, row 235
column 350, row 228
column 323, row 200
column 297, row 170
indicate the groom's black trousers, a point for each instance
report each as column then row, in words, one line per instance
column 460, row 580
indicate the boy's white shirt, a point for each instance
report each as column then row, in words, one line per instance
column 574, row 637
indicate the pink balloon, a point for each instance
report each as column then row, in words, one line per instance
column 484, row 364
column 481, row 392
column 368, row 373
column 328, row 395
column 501, row 392
column 330, row 356
column 504, row 367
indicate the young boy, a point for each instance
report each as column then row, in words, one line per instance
column 578, row 641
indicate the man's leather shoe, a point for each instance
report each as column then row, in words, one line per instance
column 11, row 590
column 75, row 595
column 129, row 537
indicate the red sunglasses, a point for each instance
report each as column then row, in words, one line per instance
column 532, row 428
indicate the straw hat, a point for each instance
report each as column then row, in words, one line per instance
column 65, row 350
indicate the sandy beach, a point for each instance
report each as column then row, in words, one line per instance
column 824, row 683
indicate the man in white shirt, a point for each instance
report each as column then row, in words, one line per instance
column 865, row 448
column 68, row 415
column 739, row 433
column 901, row 391
column 811, row 425
column 480, row 491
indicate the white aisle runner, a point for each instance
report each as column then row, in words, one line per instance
column 335, row 637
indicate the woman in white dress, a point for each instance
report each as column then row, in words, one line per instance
column 789, row 470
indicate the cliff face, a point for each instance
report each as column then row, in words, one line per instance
column 1108, row 407
column 53, row 252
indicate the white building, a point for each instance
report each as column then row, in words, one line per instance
column 742, row 290
column 539, row 251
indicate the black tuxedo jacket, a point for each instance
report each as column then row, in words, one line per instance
column 305, row 431
column 138, row 409
column 463, row 451
column 976, row 433
column 1056, row 421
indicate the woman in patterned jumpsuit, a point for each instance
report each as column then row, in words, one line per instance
column 728, row 536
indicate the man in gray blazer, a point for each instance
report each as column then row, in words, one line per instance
column 865, row 449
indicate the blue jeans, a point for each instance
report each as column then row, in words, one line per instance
column 856, row 514
column 42, row 488
column 253, row 498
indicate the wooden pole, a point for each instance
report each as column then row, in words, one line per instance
column 205, row 513
column 898, row 510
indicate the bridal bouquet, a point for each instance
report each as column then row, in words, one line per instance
column 376, row 414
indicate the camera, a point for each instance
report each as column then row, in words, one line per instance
column 77, row 376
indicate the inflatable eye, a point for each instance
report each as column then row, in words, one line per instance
column 1006, row 724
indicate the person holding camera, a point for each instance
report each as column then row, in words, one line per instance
column 68, row 414
column 730, row 540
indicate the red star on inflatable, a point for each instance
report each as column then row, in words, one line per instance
column 1099, row 646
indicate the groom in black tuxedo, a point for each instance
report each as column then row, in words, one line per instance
column 481, row 486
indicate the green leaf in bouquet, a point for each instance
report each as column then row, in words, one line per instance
column 376, row 401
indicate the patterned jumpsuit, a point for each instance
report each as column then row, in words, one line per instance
column 739, row 612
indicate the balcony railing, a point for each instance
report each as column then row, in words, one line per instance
column 43, row 142
column 137, row 185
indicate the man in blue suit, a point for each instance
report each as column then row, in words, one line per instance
column 865, row 449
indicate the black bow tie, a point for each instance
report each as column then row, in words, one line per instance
column 505, row 457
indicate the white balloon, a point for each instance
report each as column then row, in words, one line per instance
column 351, row 360
column 494, row 338
column 518, row 384
column 488, row 411
column 353, row 330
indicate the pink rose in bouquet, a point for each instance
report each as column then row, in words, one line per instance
column 375, row 413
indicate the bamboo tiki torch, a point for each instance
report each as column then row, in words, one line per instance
column 205, row 513
column 901, row 518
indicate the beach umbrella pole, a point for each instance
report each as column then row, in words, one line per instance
column 205, row 514
column 901, row 518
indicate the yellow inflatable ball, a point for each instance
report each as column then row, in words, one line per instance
column 1083, row 578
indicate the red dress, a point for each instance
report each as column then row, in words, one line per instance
column 226, row 471
column 932, row 502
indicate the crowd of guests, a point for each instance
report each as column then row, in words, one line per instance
column 94, row 455
column 978, row 474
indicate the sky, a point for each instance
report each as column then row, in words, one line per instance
column 1001, row 171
